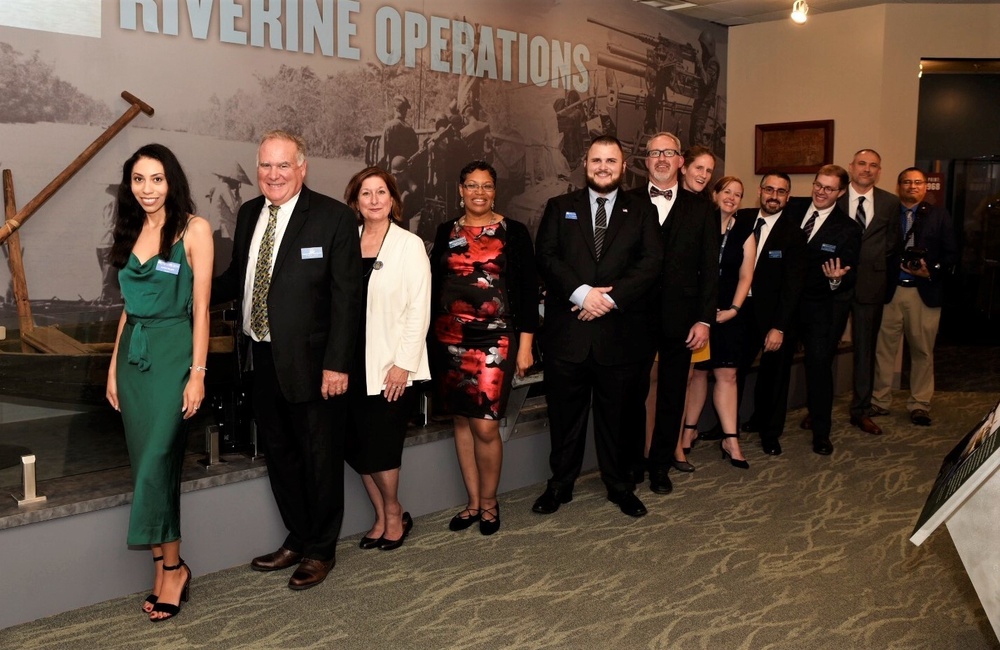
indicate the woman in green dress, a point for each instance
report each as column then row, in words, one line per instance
column 157, row 374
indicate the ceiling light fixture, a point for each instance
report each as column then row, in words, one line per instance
column 799, row 10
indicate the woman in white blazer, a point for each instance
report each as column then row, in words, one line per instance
column 391, row 353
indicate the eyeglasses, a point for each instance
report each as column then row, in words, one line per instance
column 475, row 187
column 776, row 191
column 666, row 153
column 825, row 189
column 916, row 183
column 283, row 167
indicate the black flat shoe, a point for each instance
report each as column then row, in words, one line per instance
column 742, row 464
column 369, row 542
column 151, row 598
column 458, row 522
column 393, row 544
column 490, row 526
column 167, row 608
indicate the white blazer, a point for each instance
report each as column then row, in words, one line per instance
column 398, row 311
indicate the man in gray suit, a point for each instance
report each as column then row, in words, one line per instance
column 877, row 213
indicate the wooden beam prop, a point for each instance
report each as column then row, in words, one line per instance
column 16, row 262
column 13, row 223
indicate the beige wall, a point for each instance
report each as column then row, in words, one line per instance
column 857, row 67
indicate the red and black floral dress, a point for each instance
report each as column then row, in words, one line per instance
column 474, row 341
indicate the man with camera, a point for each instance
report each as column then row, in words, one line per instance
column 914, row 310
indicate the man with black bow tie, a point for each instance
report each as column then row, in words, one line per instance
column 682, row 306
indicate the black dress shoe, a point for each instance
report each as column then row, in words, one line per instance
column 659, row 482
column 280, row 559
column 310, row 573
column 550, row 501
column 920, row 417
column 771, row 447
column 628, row 503
column 458, row 522
column 823, row 446
column 393, row 544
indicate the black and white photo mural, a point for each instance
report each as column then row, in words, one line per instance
column 420, row 88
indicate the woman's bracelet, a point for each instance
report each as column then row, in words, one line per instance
column 734, row 307
column 198, row 368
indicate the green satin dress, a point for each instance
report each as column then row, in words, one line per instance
column 154, row 357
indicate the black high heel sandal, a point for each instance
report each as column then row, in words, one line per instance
column 166, row 608
column 687, row 450
column 151, row 598
column 742, row 464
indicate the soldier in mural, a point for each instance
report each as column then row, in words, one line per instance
column 224, row 201
column 707, row 73
column 398, row 137
column 109, row 275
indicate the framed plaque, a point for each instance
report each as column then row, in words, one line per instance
column 793, row 147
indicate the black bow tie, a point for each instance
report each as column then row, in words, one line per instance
column 654, row 192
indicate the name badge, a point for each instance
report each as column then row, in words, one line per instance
column 314, row 253
column 458, row 242
column 571, row 215
column 774, row 255
column 828, row 248
column 173, row 268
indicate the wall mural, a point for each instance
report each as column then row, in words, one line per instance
column 420, row 88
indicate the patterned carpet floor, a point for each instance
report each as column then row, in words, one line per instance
column 800, row 551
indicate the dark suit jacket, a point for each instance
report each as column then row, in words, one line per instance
column 314, row 304
column 933, row 231
column 688, row 287
column 779, row 274
column 839, row 236
column 630, row 262
column 879, row 246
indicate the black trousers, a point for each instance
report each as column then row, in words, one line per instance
column 865, row 322
column 570, row 388
column 671, row 386
column 821, row 323
column 770, row 397
column 303, row 447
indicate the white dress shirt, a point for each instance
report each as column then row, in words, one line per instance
column 284, row 215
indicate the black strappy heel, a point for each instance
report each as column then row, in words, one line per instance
column 742, row 464
column 166, row 608
column 151, row 598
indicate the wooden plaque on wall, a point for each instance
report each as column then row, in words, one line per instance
column 793, row 147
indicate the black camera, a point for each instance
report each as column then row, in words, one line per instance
column 912, row 257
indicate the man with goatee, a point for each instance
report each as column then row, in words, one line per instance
column 598, row 254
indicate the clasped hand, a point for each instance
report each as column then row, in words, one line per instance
column 595, row 304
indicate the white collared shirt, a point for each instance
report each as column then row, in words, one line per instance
column 663, row 206
column 284, row 215
column 823, row 214
column 769, row 220
column 852, row 204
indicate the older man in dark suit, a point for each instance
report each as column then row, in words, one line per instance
column 832, row 250
column 598, row 255
column 917, row 294
column 877, row 213
column 683, row 303
column 296, row 278
column 771, row 311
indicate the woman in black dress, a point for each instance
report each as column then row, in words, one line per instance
column 391, row 352
column 737, row 255
column 485, row 301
